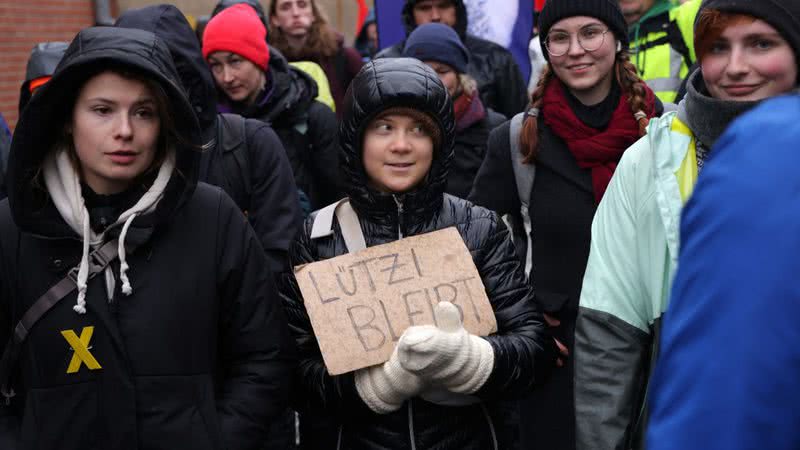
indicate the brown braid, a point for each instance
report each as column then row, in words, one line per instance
column 529, row 135
column 633, row 88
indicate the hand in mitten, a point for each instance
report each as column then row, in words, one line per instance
column 447, row 354
column 385, row 387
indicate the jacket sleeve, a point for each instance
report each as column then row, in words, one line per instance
column 612, row 338
column 325, row 152
column 256, row 351
column 315, row 390
column 495, row 187
column 524, row 350
column 274, row 210
column 511, row 90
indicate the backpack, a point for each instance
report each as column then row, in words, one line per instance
column 237, row 179
column 524, row 175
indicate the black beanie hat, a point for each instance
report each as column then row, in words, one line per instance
column 783, row 15
column 606, row 11
column 437, row 42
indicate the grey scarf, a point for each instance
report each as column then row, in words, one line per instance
column 706, row 116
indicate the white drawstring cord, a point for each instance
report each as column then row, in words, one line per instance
column 123, row 262
column 83, row 270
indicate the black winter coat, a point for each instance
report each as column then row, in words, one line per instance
column 470, row 149
column 198, row 356
column 499, row 78
column 524, row 352
column 562, row 207
column 306, row 127
column 260, row 178
column 561, row 212
column 261, row 185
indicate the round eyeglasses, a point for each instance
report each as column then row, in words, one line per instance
column 590, row 38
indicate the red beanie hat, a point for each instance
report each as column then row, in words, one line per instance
column 237, row 29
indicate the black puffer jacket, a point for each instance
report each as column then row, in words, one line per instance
column 306, row 127
column 198, row 356
column 252, row 166
column 524, row 352
column 493, row 67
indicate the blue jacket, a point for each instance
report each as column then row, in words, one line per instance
column 727, row 374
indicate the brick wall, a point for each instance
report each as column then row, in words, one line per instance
column 22, row 25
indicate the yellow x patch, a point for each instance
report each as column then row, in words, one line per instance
column 81, row 347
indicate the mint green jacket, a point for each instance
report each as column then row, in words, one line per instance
column 632, row 261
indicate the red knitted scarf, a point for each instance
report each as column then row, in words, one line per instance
column 598, row 150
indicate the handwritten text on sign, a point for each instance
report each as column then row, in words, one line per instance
column 360, row 303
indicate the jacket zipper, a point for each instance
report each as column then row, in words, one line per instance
column 399, row 216
column 411, row 425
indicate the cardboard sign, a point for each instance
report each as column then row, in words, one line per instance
column 360, row 303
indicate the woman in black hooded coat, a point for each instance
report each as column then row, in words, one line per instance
column 180, row 341
column 522, row 352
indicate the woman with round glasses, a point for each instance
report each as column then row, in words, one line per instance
column 747, row 52
column 588, row 107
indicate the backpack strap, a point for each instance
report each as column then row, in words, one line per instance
column 677, row 42
column 98, row 261
column 524, row 175
column 235, row 154
column 348, row 223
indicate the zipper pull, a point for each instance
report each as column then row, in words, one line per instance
column 399, row 216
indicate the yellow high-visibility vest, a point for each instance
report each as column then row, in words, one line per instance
column 655, row 55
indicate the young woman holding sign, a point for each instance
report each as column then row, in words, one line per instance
column 438, row 388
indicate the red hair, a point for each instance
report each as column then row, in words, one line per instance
column 711, row 23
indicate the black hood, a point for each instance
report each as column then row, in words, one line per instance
column 461, row 18
column 386, row 83
column 292, row 92
column 92, row 50
column 44, row 58
column 169, row 24
column 253, row 3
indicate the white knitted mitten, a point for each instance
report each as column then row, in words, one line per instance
column 385, row 387
column 447, row 354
